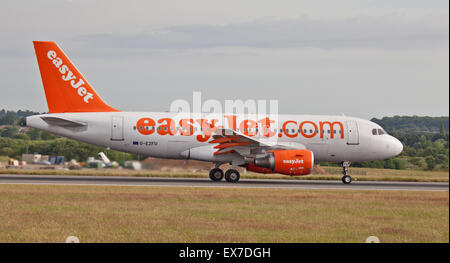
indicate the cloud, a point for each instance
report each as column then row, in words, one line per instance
column 388, row 31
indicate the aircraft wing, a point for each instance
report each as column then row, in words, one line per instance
column 229, row 141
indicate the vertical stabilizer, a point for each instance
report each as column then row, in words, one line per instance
column 65, row 88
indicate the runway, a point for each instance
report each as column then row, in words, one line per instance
column 204, row 182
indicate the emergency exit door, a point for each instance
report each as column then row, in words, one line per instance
column 352, row 133
column 117, row 128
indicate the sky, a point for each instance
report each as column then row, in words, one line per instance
column 362, row 58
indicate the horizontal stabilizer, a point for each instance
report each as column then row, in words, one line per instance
column 58, row 121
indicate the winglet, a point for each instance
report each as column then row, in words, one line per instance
column 65, row 88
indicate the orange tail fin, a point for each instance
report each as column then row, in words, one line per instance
column 65, row 88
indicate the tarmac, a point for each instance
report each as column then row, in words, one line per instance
column 204, row 182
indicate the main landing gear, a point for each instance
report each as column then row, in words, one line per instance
column 231, row 175
column 346, row 179
column 216, row 174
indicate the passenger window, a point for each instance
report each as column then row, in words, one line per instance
column 374, row 132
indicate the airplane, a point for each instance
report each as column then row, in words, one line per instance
column 283, row 144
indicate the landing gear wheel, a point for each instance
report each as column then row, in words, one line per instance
column 216, row 174
column 346, row 179
column 232, row 176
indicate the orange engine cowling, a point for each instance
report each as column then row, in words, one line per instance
column 290, row 162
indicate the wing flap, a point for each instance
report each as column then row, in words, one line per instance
column 229, row 141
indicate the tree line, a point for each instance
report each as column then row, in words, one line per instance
column 13, row 143
column 414, row 124
column 424, row 139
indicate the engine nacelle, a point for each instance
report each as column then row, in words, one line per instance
column 290, row 162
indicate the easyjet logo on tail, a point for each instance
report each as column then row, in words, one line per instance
column 67, row 75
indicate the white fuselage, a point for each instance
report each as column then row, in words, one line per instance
column 349, row 139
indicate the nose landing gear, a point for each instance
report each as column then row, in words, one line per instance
column 346, row 179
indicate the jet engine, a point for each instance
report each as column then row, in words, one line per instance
column 290, row 162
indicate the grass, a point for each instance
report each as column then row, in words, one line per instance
column 50, row 213
column 332, row 173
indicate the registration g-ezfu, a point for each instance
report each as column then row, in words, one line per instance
column 246, row 252
column 287, row 144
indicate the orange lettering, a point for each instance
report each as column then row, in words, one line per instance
column 186, row 127
column 304, row 134
column 285, row 131
column 265, row 126
column 145, row 126
column 331, row 128
column 246, row 124
column 208, row 129
column 231, row 121
column 167, row 128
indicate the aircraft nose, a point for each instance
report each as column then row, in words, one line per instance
column 396, row 146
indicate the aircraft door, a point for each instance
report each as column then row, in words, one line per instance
column 352, row 133
column 117, row 128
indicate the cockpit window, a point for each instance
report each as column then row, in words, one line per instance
column 381, row 132
column 374, row 132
